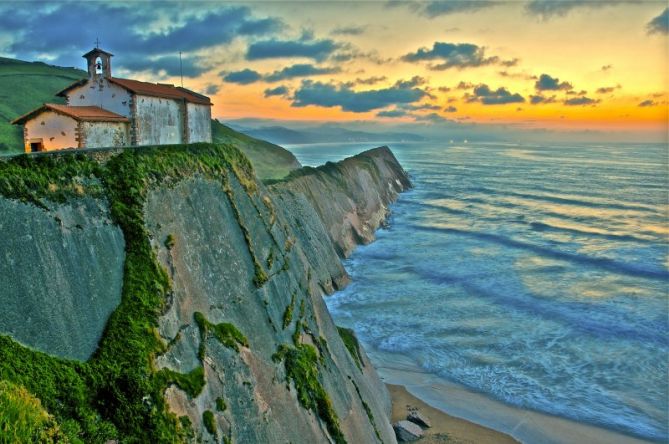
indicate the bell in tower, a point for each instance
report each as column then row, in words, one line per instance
column 99, row 63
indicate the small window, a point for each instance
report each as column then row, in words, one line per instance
column 98, row 65
column 36, row 146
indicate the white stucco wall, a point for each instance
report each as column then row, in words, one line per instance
column 56, row 131
column 105, row 134
column 158, row 121
column 199, row 123
column 101, row 93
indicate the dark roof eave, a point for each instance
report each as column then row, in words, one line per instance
column 62, row 92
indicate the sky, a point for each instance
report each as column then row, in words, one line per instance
column 565, row 66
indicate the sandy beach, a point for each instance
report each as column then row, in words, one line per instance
column 445, row 428
column 487, row 420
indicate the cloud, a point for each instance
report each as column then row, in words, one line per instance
column 348, row 30
column 501, row 96
column 607, row 89
column 370, row 80
column 421, row 107
column 548, row 9
column 432, row 9
column 278, row 91
column 130, row 30
column 330, row 95
column 414, row 81
column 243, row 77
column 168, row 65
column 606, row 67
column 452, row 55
column 391, row 113
column 465, row 85
column 580, row 101
column 510, row 63
column 539, row 99
column 300, row 70
column 212, row 89
column 660, row 24
column 318, row 50
column 450, row 109
column 647, row 103
column 548, row 83
column 517, row 75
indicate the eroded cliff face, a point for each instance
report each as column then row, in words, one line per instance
column 246, row 350
column 351, row 197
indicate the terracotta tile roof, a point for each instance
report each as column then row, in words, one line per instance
column 149, row 89
column 80, row 113
column 161, row 90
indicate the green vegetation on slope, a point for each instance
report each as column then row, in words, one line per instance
column 351, row 342
column 25, row 86
column 117, row 393
column 23, row 420
column 301, row 365
column 271, row 162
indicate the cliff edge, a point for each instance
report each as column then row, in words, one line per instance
column 166, row 295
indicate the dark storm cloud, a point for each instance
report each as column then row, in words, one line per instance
column 580, row 101
column 300, row 70
column 660, row 24
column 278, row 91
column 66, row 30
column 452, row 55
column 243, row 77
column 548, row 83
column 330, row 95
column 271, row 49
column 500, row 96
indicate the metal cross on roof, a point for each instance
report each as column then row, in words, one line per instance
column 97, row 42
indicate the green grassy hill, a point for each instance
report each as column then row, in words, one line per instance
column 25, row 86
column 270, row 161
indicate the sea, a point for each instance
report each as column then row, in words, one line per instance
column 535, row 276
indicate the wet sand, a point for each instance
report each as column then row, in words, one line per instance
column 457, row 402
column 445, row 428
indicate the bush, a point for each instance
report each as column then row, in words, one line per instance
column 23, row 419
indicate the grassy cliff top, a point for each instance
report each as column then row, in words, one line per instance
column 270, row 161
column 26, row 85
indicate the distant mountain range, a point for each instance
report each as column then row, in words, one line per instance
column 322, row 134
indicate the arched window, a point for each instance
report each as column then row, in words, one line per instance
column 98, row 65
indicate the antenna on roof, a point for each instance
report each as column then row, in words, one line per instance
column 97, row 43
column 181, row 70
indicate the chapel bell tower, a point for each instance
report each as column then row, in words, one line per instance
column 99, row 63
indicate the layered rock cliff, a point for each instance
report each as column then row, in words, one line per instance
column 165, row 294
